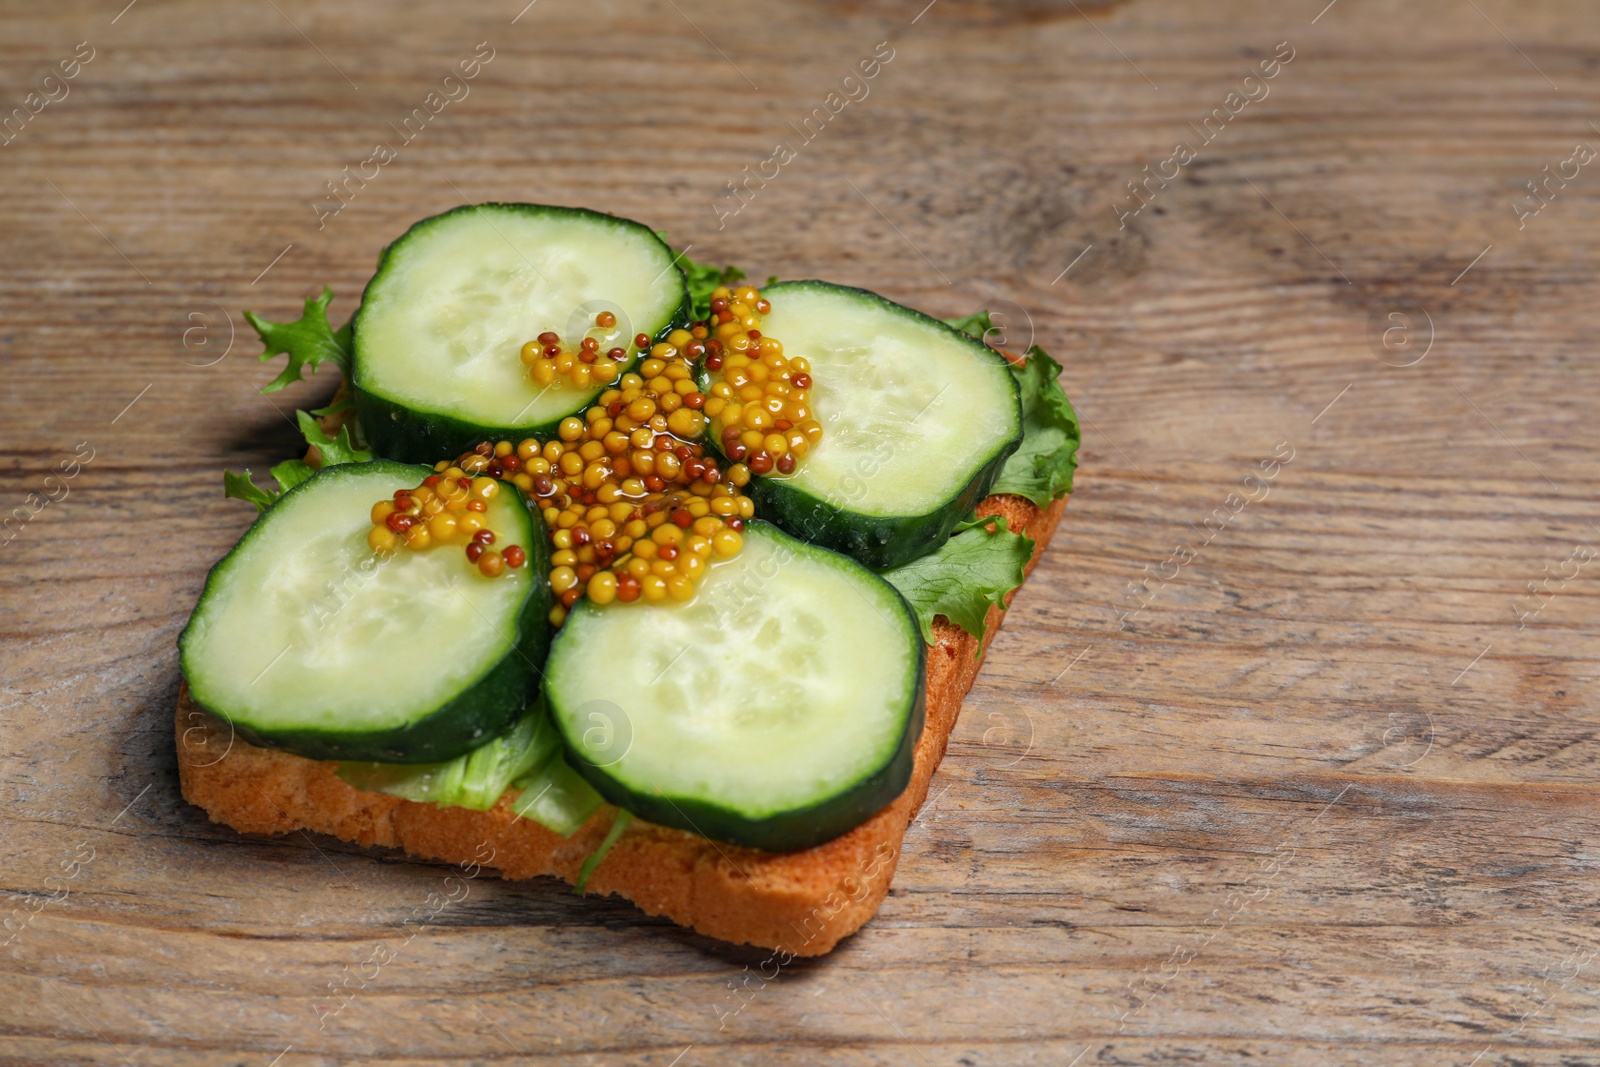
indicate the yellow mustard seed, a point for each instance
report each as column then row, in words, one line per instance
column 602, row 587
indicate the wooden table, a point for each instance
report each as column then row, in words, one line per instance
column 1318, row 790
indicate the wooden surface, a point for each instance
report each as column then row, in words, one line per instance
column 1325, row 799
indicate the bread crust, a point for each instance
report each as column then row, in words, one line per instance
column 796, row 903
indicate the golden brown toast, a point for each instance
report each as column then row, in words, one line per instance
column 799, row 903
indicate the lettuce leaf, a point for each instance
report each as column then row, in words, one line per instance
column 1041, row 467
column 491, row 768
column 976, row 325
column 474, row 780
column 527, row 758
column 977, row 567
column 291, row 472
column 703, row 278
column 336, row 449
column 334, row 408
column 556, row 797
column 241, row 487
column 426, row 783
column 309, row 341
column 288, row 474
column 619, row 824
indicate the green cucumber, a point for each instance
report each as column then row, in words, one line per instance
column 778, row 708
column 307, row 641
column 918, row 419
column 437, row 337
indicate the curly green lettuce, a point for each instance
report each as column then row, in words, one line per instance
column 474, row 780
column 527, row 758
column 309, row 341
column 288, row 474
column 291, row 472
column 335, row 449
column 704, row 279
column 1041, row 467
column 590, row 865
column 975, row 569
column 976, row 325
column 243, row 487
column 556, row 797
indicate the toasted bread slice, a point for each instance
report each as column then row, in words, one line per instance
column 799, row 903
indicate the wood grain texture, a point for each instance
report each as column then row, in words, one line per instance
column 1325, row 799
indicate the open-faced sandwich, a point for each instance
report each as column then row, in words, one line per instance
column 609, row 567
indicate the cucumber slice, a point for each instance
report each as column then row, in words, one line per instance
column 777, row 709
column 305, row 640
column 437, row 337
column 918, row 419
